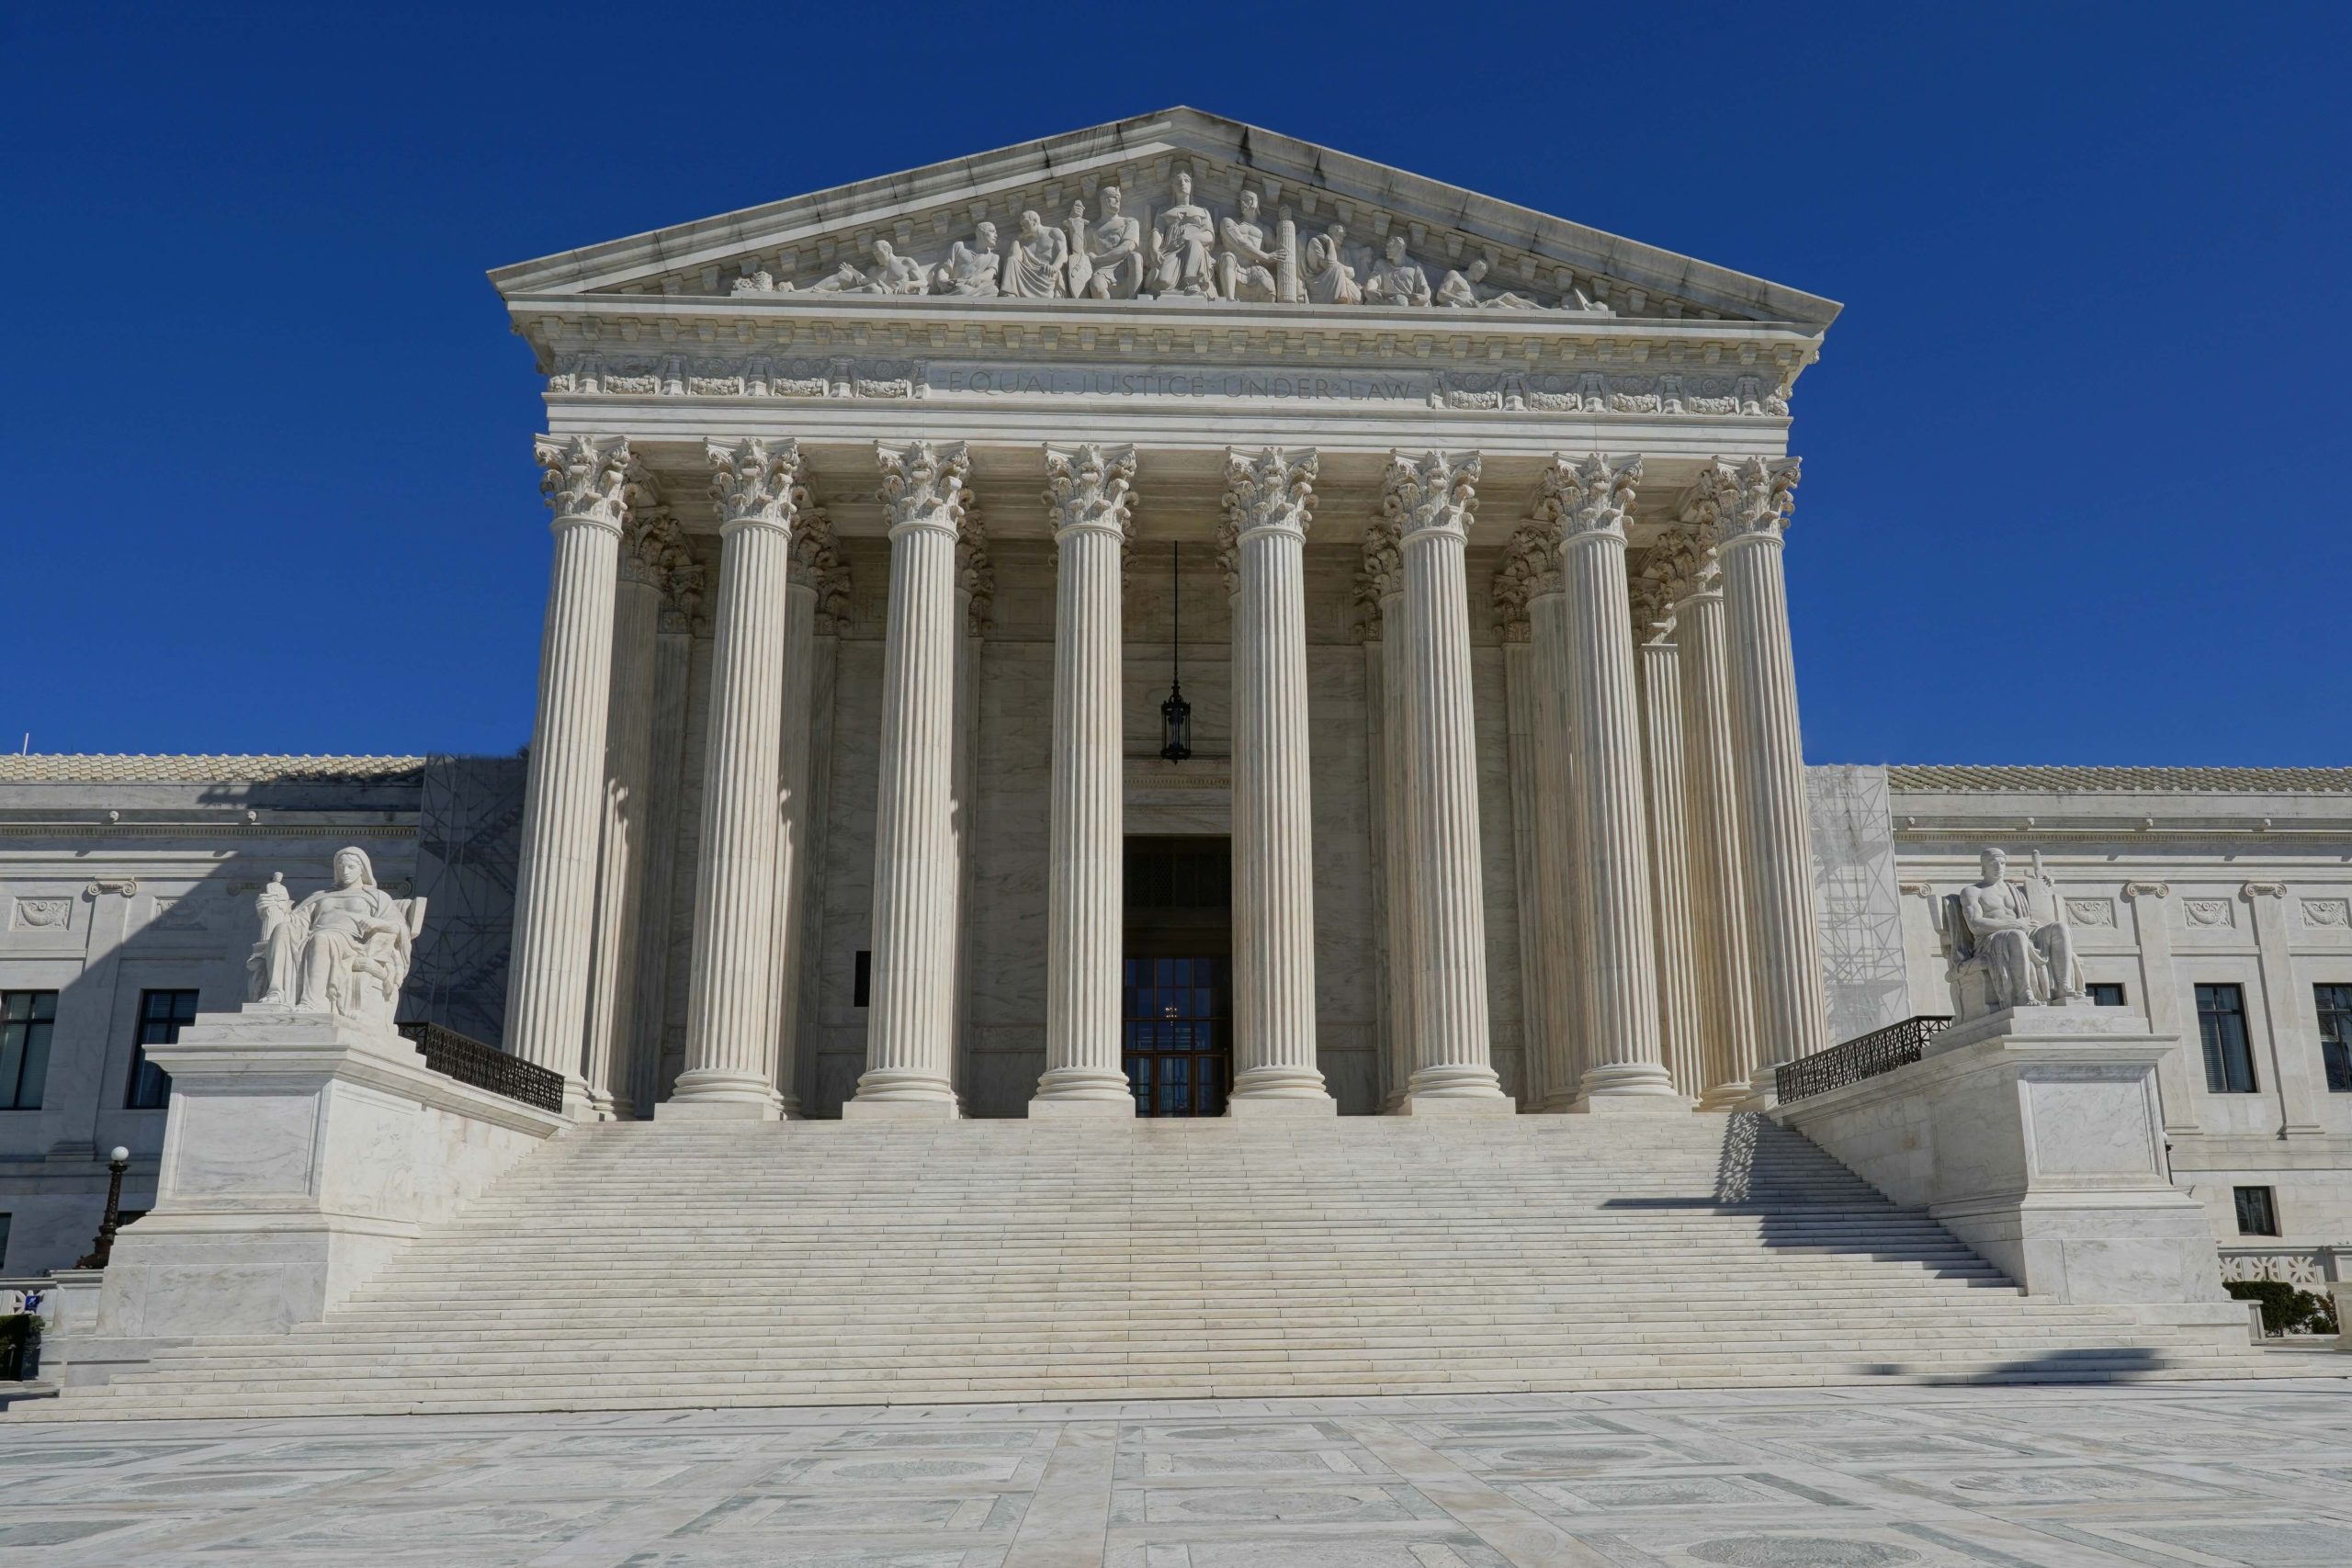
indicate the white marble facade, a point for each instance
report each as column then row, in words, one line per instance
column 739, row 614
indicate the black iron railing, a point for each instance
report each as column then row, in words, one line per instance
column 451, row 1053
column 1865, row 1056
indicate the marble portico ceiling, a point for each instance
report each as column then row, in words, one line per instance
column 796, row 252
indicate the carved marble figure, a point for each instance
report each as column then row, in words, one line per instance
column 1330, row 280
column 1038, row 266
column 893, row 274
column 1396, row 279
column 344, row 950
column 1467, row 290
column 1246, row 265
column 2030, row 959
column 1182, row 239
column 970, row 271
column 1105, row 260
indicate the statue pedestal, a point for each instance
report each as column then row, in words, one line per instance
column 303, row 1150
column 2032, row 1134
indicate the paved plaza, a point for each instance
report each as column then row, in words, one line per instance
column 2163, row 1474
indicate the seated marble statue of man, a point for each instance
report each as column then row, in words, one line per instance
column 344, row 950
column 2031, row 960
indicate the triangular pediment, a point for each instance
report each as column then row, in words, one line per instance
column 1340, row 215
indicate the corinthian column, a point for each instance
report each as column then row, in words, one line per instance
column 1560, row 886
column 730, row 1009
column 1753, row 500
column 681, row 588
column 1268, row 499
column 1430, row 500
column 910, row 1025
column 1087, row 491
column 585, row 478
column 1677, row 979
column 1589, row 503
column 816, row 568
column 1718, row 887
column 1380, row 589
column 628, row 775
column 1535, row 953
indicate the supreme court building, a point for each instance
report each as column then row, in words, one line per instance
column 1171, row 620
column 874, row 533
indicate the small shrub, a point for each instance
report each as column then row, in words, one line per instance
column 19, row 1338
column 2285, row 1309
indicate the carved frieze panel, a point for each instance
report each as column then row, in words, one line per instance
column 179, row 915
column 2328, row 914
column 2211, row 914
column 2091, row 912
column 41, row 915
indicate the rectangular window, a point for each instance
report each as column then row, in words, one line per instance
column 861, row 979
column 27, row 1018
column 162, row 1016
column 2257, row 1210
column 2335, row 1034
column 3, row 1240
column 2105, row 993
column 2221, row 1022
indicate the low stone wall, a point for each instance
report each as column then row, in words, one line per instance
column 2033, row 1136
column 303, row 1152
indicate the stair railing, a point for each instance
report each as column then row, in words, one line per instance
column 454, row 1055
column 1864, row 1056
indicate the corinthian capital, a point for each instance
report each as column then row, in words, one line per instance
column 754, row 482
column 585, row 477
column 1652, row 603
column 1530, row 568
column 1591, row 498
column 1272, row 489
column 817, row 561
column 648, row 544
column 1753, row 496
column 1683, row 561
column 1435, row 492
column 1380, row 575
column 1091, row 486
column 925, row 486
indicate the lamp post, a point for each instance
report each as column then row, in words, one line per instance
column 1175, row 713
column 102, row 1248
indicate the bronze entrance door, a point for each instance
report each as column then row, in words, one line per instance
column 1177, row 1011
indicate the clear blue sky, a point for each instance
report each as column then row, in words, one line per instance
column 267, row 438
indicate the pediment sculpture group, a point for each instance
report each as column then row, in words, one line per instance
column 1187, row 253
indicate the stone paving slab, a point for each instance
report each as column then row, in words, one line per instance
column 2151, row 1474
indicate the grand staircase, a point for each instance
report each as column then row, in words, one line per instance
column 668, row 1264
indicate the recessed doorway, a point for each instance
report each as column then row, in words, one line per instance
column 1178, row 996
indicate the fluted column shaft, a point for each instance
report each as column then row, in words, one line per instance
column 1591, row 501
column 911, row 1022
column 1558, row 879
column 1775, row 834
column 1430, row 499
column 792, row 824
column 1677, row 979
column 1535, row 950
column 555, row 887
column 1719, row 897
column 650, row 1007
column 731, row 1009
column 1268, row 499
column 1085, row 905
column 628, row 772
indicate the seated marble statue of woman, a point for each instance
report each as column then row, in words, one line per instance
column 344, row 950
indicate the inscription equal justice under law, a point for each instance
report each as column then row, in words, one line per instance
column 1071, row 381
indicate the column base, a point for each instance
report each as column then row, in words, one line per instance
column 1468, row 1083
column 712, row 1096
column 1644, row 1080
column 1268, row 1107
column 1496, row 1104
column 1063, row 1108
column 1763, row 1089
column 1632, row 1105
column 1723, row 1096
column 1082, row 1091
column 901, row 1094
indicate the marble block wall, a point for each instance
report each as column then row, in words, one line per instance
column 1856, row 906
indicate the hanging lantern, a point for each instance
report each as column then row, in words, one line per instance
column 1175, row 713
